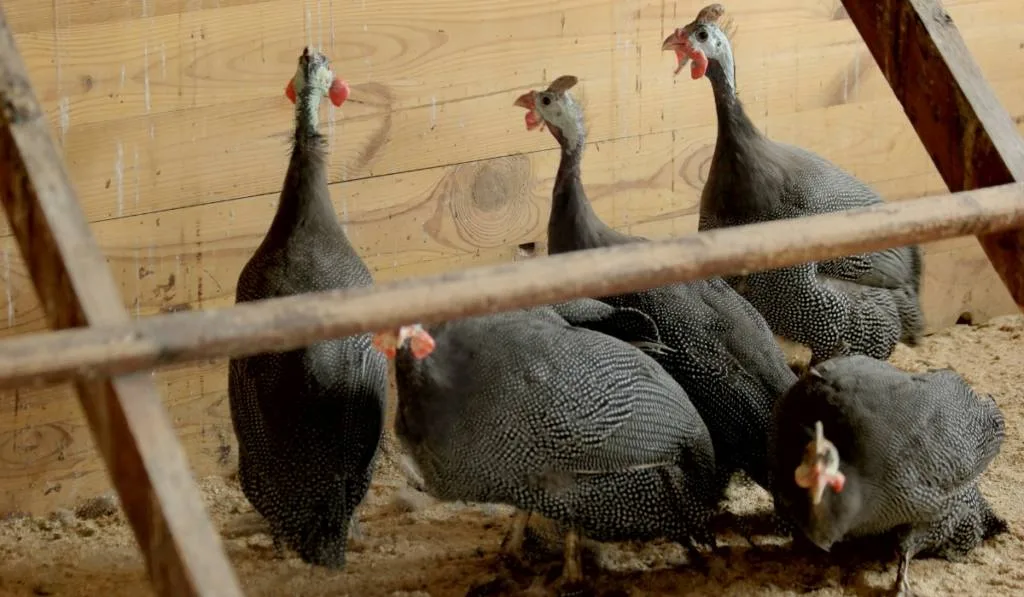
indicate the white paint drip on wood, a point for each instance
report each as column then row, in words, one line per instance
column 119, row 177
column 65, row 117
column 319, row 28
column 309, row 26
column 138, row 295
column 7, row 283
column 135, row 167
column 145, row 74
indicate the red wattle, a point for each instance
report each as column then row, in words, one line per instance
column 700, row 64
column 339, row 92
column 533, row 120
column 289, row 91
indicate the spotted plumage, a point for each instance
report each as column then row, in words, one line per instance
column 308, row 421
column 861, row 304
column 907, row 450
column 716, row 345
column 523, row 408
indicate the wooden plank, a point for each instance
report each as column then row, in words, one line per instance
column 47, row 456
column 405, row 224
column 969, row 135
column 199, row 140
column 291, row 322
column 30, row 16
column 129, row 424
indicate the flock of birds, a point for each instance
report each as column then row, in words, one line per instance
column 622, row 417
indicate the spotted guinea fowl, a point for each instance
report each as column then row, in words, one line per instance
column 861, row 304
column 522, row 408
column 860, row 448
column 308, row 421
column 720, row 350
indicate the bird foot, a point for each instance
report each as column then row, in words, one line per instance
column 512, row 545
column 697, row 560
column 413, row 478
column 280, row 550
column 355, row 530
column 572, row 569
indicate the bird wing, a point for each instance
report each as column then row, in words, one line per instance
column 606, row 407
column 814, row 185
column 627, row 324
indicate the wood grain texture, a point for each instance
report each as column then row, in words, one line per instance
column 477, row 213
column 129, row 425
column 966, row 131
column 167, row 111
column 199, row 170
column 288, row 323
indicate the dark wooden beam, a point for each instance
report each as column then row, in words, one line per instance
column 290, row 322
column 129, row 424
column 969, row 135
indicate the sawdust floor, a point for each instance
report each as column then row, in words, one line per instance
column 411, row 546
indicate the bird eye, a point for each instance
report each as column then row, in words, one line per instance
column 702, row 35
column 545, row 100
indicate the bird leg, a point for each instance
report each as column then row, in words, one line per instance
column 572, row 569
column 512, row 545
column 902, row 586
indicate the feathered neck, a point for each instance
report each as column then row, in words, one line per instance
column 734, row 127
column 573, row 224
column 305, row 199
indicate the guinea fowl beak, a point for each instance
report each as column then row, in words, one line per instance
column 533, row 118
column 820, row 467
column 679, row 42
column 673, row 41
column 421, row 343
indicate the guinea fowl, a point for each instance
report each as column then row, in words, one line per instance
column 522, row 408
column 719, row 349
column 860, row 448
column 861, row 304
column 308, row 421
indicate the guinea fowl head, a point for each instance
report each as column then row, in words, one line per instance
column 421, row 343
column 315, row 74
column 705, row 39
column 820, row 467
column 556, row 108
column 830, row 514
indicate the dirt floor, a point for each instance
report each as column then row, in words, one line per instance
column 412, row 546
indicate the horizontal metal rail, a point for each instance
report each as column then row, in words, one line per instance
column 291, row 322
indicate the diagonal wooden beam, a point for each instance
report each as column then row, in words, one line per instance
column 969, row 135
column 290, row 322
column 129, row 424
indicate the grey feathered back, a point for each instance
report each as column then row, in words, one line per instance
column 860, row 304
column 522, row 408
column 714, row 343
column 912, row 446
column 308, row 421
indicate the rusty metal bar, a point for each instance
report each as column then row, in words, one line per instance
column 290, row 322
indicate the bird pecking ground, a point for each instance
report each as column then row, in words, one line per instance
column 410, row 545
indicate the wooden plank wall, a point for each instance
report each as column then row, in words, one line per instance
column 174, row 124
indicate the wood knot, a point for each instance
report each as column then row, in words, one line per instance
column 485, row 204
column 696, row 166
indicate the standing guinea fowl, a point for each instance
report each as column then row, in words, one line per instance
column 719, row 348
column 862, row 304
column 861, row 448
column 522, row 408
column 308, row 421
